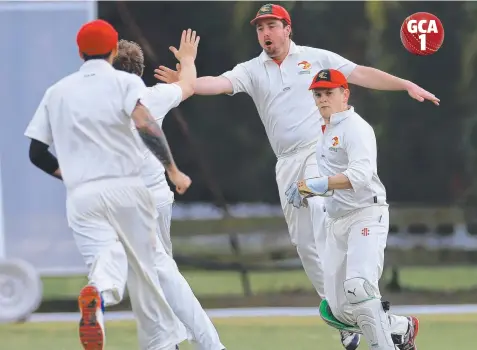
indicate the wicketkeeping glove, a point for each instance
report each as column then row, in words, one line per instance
column 294, row 197
column 298, row 192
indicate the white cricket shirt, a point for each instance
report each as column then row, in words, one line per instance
column 349, row 146
column 280, row 93
column 86, row 115
column 159, row 99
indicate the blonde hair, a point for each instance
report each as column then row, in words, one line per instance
column 130, row 57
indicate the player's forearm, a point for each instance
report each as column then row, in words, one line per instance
column 187, row 77
column 213, row 86
column 153, row 137
column 376, row 79
column 319, row 186
column 339, row 182
column 43, row 159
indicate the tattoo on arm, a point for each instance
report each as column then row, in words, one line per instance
column 154, row 138
column 152, row 135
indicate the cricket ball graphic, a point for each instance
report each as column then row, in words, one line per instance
column 422, row 34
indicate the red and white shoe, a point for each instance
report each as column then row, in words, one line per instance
column 91, row 326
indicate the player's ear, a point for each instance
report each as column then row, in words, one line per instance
column 346, row 94
column 288, row 29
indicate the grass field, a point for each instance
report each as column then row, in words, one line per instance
column 437, row 332
column 208, row 283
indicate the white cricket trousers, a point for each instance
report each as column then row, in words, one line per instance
column 355, row 246
column 305, row 225
column 111, row 214
column 177, row 291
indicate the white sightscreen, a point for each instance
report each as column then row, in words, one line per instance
column 38, row 47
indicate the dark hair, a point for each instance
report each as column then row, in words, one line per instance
column 130, row 57
column 104, row 56
column 291, row 30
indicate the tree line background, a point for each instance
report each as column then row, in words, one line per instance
column 427, row 154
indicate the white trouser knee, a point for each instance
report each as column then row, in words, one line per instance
column 368, row 313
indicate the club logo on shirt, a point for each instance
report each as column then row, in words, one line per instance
column 365, row 231
column 335, row 141
column 305, row 66
column 334, row 144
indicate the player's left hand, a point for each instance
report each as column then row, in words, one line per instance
column 294, row 197
column 418, row 93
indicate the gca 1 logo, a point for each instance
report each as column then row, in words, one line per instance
column 422, row 33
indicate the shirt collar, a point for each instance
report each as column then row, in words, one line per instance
column 96, row 64
column 337, row 118
column 294, row 49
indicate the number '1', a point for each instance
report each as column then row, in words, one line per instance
column 423, row 42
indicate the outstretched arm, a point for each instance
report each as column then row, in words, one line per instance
column 186, row 56
column 202, row 86
column 373, row 78
column 186, row 76
column 239, row 79
column 213, row 86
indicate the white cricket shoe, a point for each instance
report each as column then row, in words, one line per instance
column 350, row 340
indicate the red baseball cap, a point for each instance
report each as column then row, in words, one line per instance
column 328, row 79
column 272, row 11
column 97, row 37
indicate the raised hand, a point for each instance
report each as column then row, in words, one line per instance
column 188, row 46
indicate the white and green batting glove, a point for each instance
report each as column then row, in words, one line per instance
column 315, row 186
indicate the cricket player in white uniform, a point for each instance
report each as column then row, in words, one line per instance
column 357, row 221
column 160, row 99
column 276, row 80
column 87, row 116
